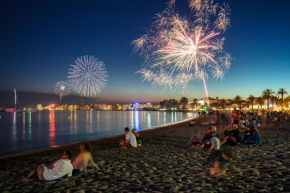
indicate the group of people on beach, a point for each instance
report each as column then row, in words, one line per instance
column 64, row 166
column 242, row 130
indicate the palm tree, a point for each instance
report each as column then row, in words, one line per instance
column 260, row 101
column 183, row 102
column 251, row 100
column 282, row 92
column 238, row 99
column 274, row 100
column 267, row 95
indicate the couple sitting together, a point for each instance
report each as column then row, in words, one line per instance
column 209, row 141
column 132, row 139
column 64, row 167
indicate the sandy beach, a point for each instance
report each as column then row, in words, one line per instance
column 162, row 164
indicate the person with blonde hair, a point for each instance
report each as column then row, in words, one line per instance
column 138, row 138
column 84, row 158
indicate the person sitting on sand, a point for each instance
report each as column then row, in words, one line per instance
column 193, row 142
column 212, row 132
column 221, row 162
column 130, row 139
column 254, row 138
column 211, row 144
column 275, row 121
column 84, row 158
column 192, row 123
column 60, row 168
column 228, row 139
column 245, row 134
column 138, row 138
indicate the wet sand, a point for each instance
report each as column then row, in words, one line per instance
column 162, row 164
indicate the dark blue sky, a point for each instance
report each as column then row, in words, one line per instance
column 40, row 39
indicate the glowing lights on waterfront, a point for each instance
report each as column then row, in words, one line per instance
column 88, row 76
column 177, row 50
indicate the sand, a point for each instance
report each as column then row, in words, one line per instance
column 162, row 164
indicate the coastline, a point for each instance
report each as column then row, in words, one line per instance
column 112, row 137
column 162, row 164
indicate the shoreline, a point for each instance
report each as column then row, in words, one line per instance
column 163, row 164
column 63, row 146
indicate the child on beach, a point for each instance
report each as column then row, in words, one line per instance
column 138, row 138
column 84, row 158
column 130, row 139
column 60, row 168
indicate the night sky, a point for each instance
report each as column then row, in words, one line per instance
column 40, row 39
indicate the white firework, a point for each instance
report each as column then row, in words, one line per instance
column 186, row 49
column 62, row 89
column 88, row 76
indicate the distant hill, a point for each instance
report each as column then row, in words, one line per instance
column 31, row 99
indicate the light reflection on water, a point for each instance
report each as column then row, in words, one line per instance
column 26, row 131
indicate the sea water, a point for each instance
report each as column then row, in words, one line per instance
column 22, row 131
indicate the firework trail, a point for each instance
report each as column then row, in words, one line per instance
column 88, row 76
column 185, row 49
column 62, row 89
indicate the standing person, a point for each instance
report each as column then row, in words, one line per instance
column 236, row 117
column 130, row 139
column 84, row 158
column 60, row 168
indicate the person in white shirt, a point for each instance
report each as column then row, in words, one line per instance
column 60, row 168
column 130, row 139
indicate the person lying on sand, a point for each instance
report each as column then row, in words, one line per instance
column 60, row 168
column 130, row 139
column 222, row 159
column 84, row 158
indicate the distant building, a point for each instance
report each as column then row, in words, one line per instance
column 39, row 107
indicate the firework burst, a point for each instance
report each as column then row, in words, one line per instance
column 185, row 49
column 62, row 89
column 88, row 76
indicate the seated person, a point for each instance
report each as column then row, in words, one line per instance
column 234, row 130
column 275, row 121
column 84, row 158
column 214, row 132
column 254, row 138
column 60, row 168
column 245, row 134
column 221, row 162
column 211, row 144
column 253, row 122
column 192, row 123
column 193, row 142
column 138, row 138
column 130, row 139
column 229, row 139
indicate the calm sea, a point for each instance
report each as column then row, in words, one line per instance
column 27, row 131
